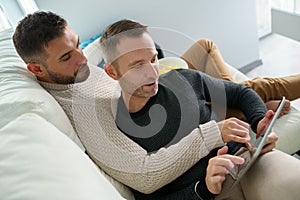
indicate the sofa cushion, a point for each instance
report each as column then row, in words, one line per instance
column 37, row 161
column 22, row 95
column 93, row 53
column 288, row 130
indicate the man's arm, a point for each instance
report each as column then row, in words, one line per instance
column 114, row 152
column 127, row 162
column 237, row 96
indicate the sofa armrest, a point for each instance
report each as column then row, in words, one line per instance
column 236, row 74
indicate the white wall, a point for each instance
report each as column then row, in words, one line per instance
column 231, row 23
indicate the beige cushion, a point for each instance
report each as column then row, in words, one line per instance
column 168, row 63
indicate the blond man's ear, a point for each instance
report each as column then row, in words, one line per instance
column 110, row 71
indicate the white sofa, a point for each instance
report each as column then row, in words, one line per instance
column 40, row 154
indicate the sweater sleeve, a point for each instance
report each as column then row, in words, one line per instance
column 236, row 96
column 247, row 100
column 132, row 165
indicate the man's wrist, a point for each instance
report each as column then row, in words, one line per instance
column 202, row 191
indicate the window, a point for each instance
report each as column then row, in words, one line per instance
column 286, row 5
column 263, row 12
column 4, row 23
column 28, row 6
column 292, row 6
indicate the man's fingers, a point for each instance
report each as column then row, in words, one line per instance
column 270, row 114
column 239, row 127
column 267, row 117
column 239, row 131
column 243, row 124
column 223, row 150
column 238, row 124
column 270, row 144
column 233, row 129
column 234, row 159
column 287, row 104
column 250, row 147
column 240, row 139
column 267, row 148
column 217, row 180
column 234, row 122
column 263, row 123
column 217, row 170
column 227, row 160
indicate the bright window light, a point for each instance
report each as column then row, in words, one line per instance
column 4, row 23
column 28, row 6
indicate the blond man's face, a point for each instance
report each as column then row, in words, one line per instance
column 137, row 66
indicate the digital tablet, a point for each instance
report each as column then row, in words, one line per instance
column 259, row 142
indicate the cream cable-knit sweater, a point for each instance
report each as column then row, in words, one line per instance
column 91, row 107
